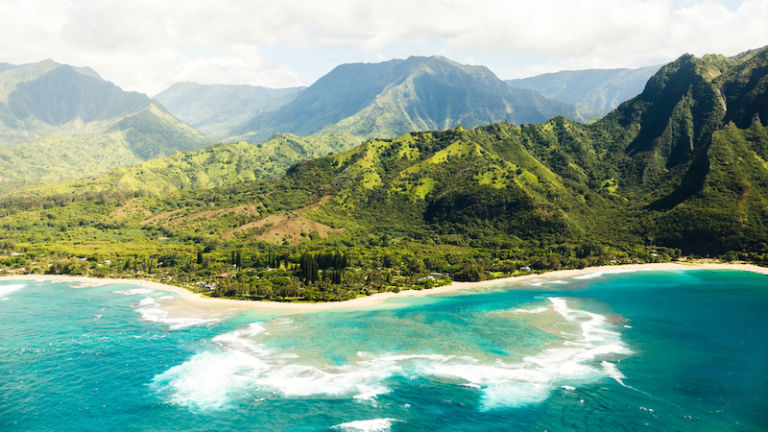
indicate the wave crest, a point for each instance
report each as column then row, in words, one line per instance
column 242, row 365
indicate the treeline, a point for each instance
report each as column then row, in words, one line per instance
column 334, row 263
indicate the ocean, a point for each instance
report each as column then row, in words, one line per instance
column 682, row 350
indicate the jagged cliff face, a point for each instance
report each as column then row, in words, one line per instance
column 696, row 151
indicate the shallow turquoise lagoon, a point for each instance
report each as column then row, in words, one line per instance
column 672, row 350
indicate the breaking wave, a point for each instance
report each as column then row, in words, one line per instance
column 151, row 310
column 241, row 365
column 375, row 425
column 7, row 289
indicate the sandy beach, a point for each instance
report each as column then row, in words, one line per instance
column 190, row 302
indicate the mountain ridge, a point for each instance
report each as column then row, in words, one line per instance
column 597, row 89
column 680, row 169
column 214, row 109
column 393, row 97
column 59, row 121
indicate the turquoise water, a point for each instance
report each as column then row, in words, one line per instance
column 673, row 350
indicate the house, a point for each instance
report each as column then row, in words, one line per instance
column 207, row 285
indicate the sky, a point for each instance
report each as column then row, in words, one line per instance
column 147, row 45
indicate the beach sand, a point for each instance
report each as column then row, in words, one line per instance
column 188, row 303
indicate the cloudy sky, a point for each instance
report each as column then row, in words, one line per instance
column 146, row 45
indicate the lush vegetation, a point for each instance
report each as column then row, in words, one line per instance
column 209, row 167
column 61, row 122
column 679, row 170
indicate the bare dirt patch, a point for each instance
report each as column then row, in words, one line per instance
column 292, row 227
column 160, row 217
column 130, row 208
column 174, row 219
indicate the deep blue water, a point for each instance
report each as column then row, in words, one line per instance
column 673, row 350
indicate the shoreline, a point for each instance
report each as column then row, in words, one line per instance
column 222, row 305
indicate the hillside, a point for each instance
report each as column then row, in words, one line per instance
column 215, row 165
column 600, row 90
column 216, row 109
column 391, row 98
column 59, row 122
column 679, row 169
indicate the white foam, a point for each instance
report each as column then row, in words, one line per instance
column 589, row 275
column 612, row 371
column 151, row 311
column 605, row 272
column 239, row 339
column 533, row 380
column 242, row 365
column 375, row 425
column 134, row 291
column 537, row 310
column 88, row 284
column 7, row 289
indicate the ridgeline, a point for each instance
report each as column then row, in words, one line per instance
column 681, row 169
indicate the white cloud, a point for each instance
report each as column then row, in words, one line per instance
column 148, row 44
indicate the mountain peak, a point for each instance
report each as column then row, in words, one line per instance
column 390, row 98
column 47, row 62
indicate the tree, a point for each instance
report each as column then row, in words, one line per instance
column 309, row 268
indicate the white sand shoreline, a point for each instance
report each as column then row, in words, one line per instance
column 188, row 299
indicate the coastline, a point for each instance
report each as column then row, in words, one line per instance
column 188, row 299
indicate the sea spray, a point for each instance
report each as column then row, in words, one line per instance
column 245, row 365
column 6, row 290
column 91, row 374
column 134, row 291
column 151, row 310
column 374, row 425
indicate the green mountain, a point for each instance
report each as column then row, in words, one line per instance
column 59, row 121
column 596, row 89
column 394, row 97
column 215, row 165
column 216, row 109
column 681, row 168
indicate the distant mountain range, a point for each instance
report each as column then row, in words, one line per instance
column 58, row 121
column 680, row 169
column 216, row 109
column 597, row 89
column 681, row 165
column 394, row 97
